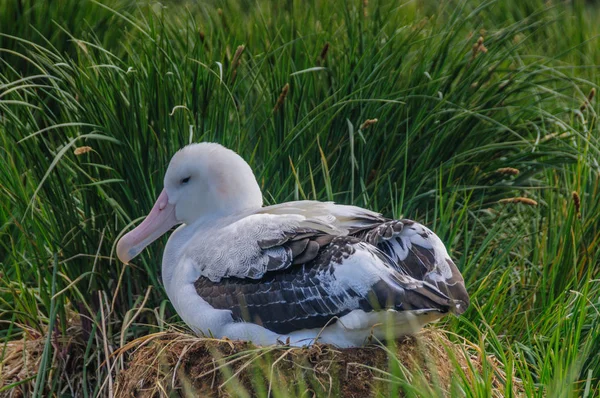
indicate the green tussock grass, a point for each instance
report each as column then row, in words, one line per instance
column 96, row 96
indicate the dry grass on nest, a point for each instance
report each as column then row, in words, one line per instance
column 20, row 360
column 164, row 362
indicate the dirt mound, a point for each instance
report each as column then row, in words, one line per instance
column 162, row 363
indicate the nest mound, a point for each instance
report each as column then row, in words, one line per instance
column 20, row 360
column 163, row 363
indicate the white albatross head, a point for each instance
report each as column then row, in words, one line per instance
column 202, row 179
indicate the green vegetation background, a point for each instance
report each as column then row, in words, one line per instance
column 95, row 97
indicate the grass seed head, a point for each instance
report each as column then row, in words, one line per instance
column 81, row 150
column 478, row 47
column 236, row 61
column 508, row 171
column 237, row 56
column 519, row 199
column 284, row 92
column 368, row 123
column 588, row 100
column 577, row 203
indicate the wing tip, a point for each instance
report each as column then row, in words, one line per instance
column 459, row 297
column 459, row 307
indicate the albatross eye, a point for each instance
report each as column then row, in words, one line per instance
column 185, row 180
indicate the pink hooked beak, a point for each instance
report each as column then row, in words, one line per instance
column 160, row 220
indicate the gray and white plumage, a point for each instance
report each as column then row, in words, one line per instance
column 297, row 271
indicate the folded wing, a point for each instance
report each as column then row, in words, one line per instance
column 305, row 277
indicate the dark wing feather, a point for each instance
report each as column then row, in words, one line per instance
column 419, row 253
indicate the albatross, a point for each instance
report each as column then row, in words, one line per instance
column 296, row 272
